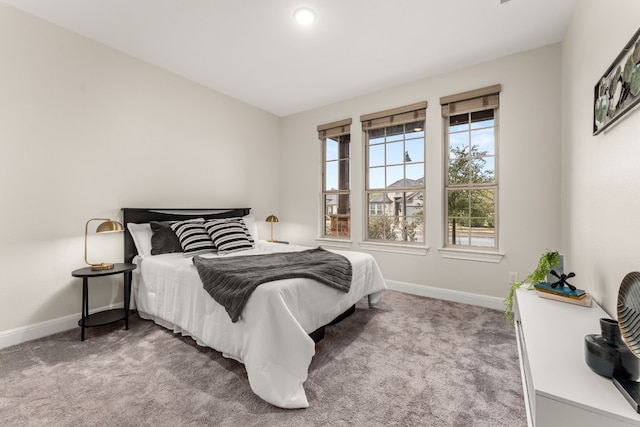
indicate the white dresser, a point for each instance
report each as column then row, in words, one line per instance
column 560, row 389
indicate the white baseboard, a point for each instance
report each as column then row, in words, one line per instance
column 43, row 329
column 49, row 327
column 447, row 294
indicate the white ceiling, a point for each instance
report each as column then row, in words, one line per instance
column 254, row 51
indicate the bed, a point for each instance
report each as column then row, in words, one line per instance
column 276, row 334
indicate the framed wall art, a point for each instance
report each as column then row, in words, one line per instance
column 618, row 90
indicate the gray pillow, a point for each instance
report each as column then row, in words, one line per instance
column 164, row 239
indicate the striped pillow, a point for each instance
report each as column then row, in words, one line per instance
column 193, row 236
column 229, row 235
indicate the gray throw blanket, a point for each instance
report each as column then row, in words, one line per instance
column 231, row 280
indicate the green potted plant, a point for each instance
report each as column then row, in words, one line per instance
column 549, row 260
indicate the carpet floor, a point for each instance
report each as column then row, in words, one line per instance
column 411, row 361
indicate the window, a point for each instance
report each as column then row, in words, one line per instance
column 336, row 178
column 471, row 179
column 395, row 185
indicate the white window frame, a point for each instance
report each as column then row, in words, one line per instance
column 385, row 120
column 335, row 130
column 467, row 103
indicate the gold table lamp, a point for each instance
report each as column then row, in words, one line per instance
column 108, row 226
column 271, row 219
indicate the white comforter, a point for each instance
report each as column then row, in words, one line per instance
column 271, row 338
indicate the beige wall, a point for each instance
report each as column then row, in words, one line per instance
column 529, row 170
column 66, row 101
column 601, row 176
column 86, row 130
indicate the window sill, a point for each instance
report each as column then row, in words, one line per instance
column 395, row 248
column 334, row 243
column 471, row 255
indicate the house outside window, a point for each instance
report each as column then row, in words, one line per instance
column 471, row 173
column 395, row 170
column 335, row 220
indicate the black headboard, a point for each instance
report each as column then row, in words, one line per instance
column 140, row 215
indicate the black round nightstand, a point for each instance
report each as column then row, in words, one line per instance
column 108, row 316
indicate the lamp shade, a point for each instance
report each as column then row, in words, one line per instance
column 107, row 226
column 272, row 218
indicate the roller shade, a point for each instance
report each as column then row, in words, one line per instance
column 396, row 116
column 332, row 130
column 475, row 100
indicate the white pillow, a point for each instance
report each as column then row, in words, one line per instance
column 141, row 234
column 250, row 222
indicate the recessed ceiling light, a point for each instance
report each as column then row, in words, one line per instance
column 304, row 15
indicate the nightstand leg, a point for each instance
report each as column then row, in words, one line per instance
column 127, row 297
column 85, row 305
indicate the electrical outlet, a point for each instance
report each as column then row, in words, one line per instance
column 513, row 276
